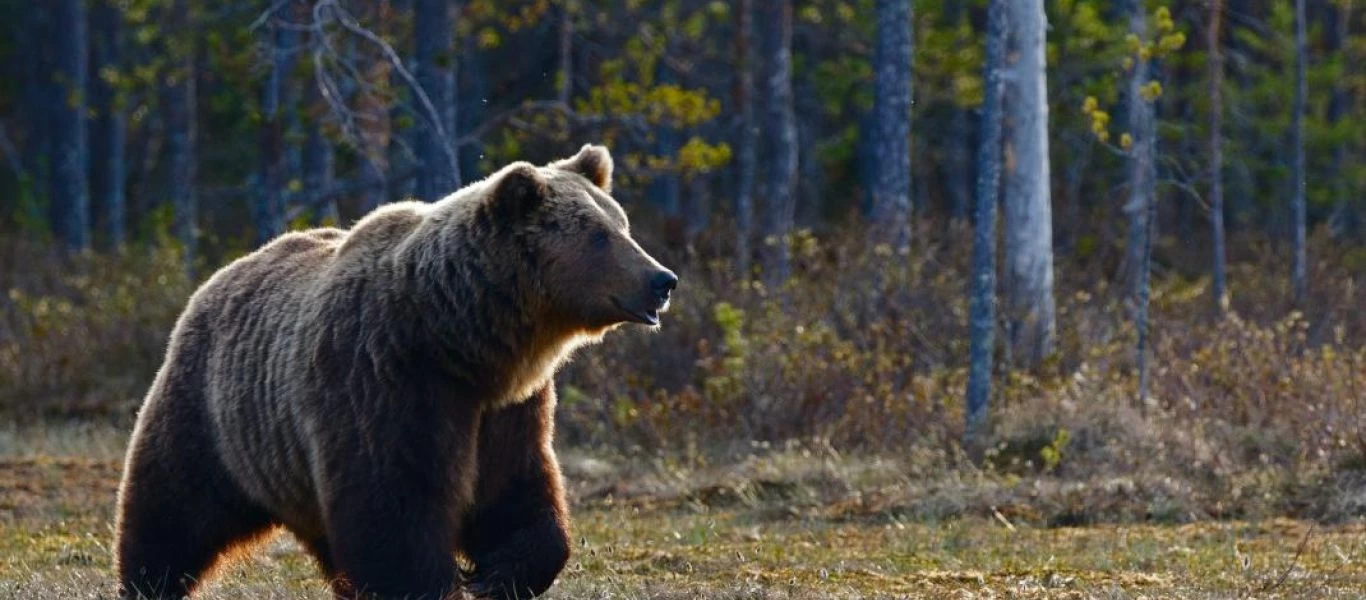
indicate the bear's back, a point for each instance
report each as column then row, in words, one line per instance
column 277, row 271
column 258, row 304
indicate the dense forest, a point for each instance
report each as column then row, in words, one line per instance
column 228, row 122
column 890, row 216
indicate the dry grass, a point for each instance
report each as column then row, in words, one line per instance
column 793, row 523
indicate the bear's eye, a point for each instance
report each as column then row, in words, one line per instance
column 600, row 240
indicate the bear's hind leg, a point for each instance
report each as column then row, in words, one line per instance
column 179, row 515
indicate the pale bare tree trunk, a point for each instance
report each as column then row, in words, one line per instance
column 1030, row 311
column 1142, row 206
column 1299, row 275
column 892, row 132
column 1216, row 153
column 1142, row 127
column 780, row 128
column 983, row 301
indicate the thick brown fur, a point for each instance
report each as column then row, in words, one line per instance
column 385, row 392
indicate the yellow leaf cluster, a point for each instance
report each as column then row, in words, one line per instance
column 1150, row 91
column 1100, row 120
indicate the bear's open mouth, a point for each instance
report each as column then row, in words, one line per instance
column 646, row 317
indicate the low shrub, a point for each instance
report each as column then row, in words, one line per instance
column 861, row 351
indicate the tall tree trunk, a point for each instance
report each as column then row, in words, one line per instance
column 1299, row 276
column 1030, row 312
column 1142, row 206
column 958, row 176
column 36, row 111
column 566, row 55
column 384, row 148
column 138, row 148
column 108, row 131
column 746, row 137
column 1345, row 220
column 1240, row 190
column 181, row 133
column 435, row 65
column 810, row 185
column 983, row 301
column 318, row 160
column 780, row 127
column 1142, row 127
column 402, row 142
column 665, row 189
column 696, row 208
column 68, row 188
column 294, row 137
column 318, row 168
column 268, row 211
column 1216, row 152
column 473, row 99
column 1141, row 312
column 892, row 107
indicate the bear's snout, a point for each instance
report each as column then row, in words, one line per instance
column 643, row 306
column 662, row 283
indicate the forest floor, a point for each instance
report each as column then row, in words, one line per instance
column 57, row 490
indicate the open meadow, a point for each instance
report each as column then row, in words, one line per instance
column 774, row 526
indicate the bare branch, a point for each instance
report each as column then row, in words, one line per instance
column 267, row 14
column 349, row 23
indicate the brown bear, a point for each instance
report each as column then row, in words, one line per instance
column 385, row 393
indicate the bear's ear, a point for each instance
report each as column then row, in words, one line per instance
column 593, row 162
column 518, row 190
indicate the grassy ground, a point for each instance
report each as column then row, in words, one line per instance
column 694, row 540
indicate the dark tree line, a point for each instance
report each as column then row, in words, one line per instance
column 1096, row 129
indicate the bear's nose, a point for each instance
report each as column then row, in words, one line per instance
column 662, row 283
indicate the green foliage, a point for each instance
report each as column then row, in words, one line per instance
column 30, row 211
column 1261, row 88
column 1051, row 454
column 1164, row 40
column 697, row 156
column 669, row 105
column 723, row 384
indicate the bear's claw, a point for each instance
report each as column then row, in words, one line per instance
column 483, row 584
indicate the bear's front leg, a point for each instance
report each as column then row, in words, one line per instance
column 393, row 515
column 517, row 535
column 390, row 548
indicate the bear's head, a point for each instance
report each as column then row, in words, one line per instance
column 591, row 274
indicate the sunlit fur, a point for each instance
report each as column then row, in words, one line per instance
column 385, row 392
